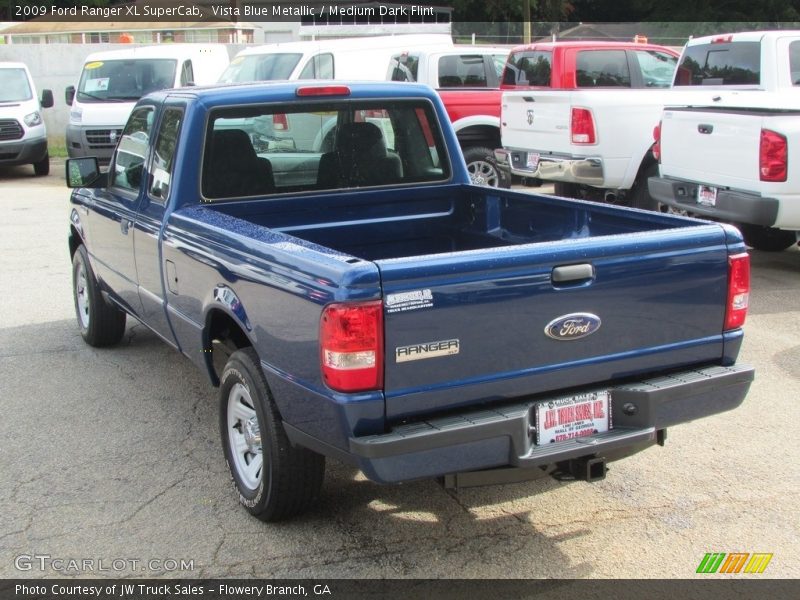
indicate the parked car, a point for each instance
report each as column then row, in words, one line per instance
column 581, row 115
column 112, row 81
column 467, row 79
column 729, row 149
column 23, row 135
column 368, row 303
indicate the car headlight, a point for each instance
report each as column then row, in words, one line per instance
column 75, row 116
column 33, row 119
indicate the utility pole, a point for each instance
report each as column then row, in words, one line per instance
column 526, row 21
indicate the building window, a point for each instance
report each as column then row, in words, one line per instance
column 98, row 37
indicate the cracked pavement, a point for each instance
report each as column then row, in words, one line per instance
column 115, row 454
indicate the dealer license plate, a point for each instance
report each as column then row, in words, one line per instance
column 533, row 161
column 706, row 195
column 577, row 416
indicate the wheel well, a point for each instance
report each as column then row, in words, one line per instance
column 221, row 338
column 479, row 135
column 75, row 240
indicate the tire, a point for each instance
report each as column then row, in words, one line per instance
column 483, row 169
column 273, row 479
column 42, row 167
column 640, row 194
column 767, row 239
column 566, row 190
column 101, row 323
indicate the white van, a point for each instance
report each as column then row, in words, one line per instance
column 23, row 138
column 111, row 83
column 362, row 58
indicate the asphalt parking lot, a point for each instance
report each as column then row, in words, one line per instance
column 114, row 455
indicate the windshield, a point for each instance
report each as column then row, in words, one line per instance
column 110, row 80
column 260, row 67
column 14, row 85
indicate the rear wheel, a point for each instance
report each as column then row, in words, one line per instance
column 274, row 480
column 640, row 194
column 767, row 239
column 483, row 169
column 101, row 323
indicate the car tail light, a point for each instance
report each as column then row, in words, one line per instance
column 280, row 122
column 351, row 346
column 323, row 90
column 772, row 156
column 657, row 142
column 725, row 39
column 738, row 290
column 582, row 126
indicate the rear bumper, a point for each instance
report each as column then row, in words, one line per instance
column 505, row 436
column 732, row 205
column 568, row 169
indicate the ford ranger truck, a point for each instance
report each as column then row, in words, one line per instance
column 361, row 300
column 580, row 115
column 730, row 149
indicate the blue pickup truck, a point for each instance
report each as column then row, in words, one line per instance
column 318, row 250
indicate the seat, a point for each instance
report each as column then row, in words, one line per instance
column 360, row 159
column 233, row 169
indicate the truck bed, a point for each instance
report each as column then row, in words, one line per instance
column 657, row 282
column 455, row 219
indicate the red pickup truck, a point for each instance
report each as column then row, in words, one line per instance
column 467, row 79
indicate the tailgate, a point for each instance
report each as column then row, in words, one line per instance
column 537, row 122
column 472, row 327
column 711, row 146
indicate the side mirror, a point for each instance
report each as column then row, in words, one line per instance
column 47, row 98
column 85, row 172
column 69, row 94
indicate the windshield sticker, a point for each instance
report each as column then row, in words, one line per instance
column 96, row 85
column 405, row 301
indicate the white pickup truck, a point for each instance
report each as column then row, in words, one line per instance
column 731, row 152
column 590, row 130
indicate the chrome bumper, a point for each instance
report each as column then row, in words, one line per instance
column 568, row 169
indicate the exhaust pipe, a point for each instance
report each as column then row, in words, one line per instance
column 588, row 469
column 610, row 197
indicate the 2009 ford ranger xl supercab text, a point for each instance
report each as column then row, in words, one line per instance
column 355, row 297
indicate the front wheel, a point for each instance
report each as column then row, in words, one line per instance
column 101, row 324
column 274, row 480
column 483, row 169
column 767, row 239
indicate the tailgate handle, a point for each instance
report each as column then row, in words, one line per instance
column 702, row 128
column 573, row 273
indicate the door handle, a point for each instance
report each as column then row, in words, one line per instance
column 84, row 209
column 572, row 273
column 124, row 225
column 705, row 129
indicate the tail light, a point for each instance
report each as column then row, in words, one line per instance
column 738, row 290
column 582, row 126
column 280, row 122
column 351, row 346
column 657, row 142
column 323, row 90
column 772, row 156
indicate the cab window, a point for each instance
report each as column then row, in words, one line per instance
column 166, row 143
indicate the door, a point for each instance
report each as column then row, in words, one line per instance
column 114, row 212
column 149, row 221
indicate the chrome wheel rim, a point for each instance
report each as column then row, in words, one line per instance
column 244, row 437
column 483, row 173
column 82, row 296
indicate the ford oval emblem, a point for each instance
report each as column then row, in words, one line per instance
column 572, row 327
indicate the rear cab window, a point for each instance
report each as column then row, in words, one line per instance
column 462, row 70
column 403, row 67
column 720, row 63
column 324, row 145
column 794, row 62
column 529, row 68
column 602, row 68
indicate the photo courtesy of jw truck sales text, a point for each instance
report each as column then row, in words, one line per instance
column 413, row 352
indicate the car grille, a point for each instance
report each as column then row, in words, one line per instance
column 102, row 138
column 10, row 129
